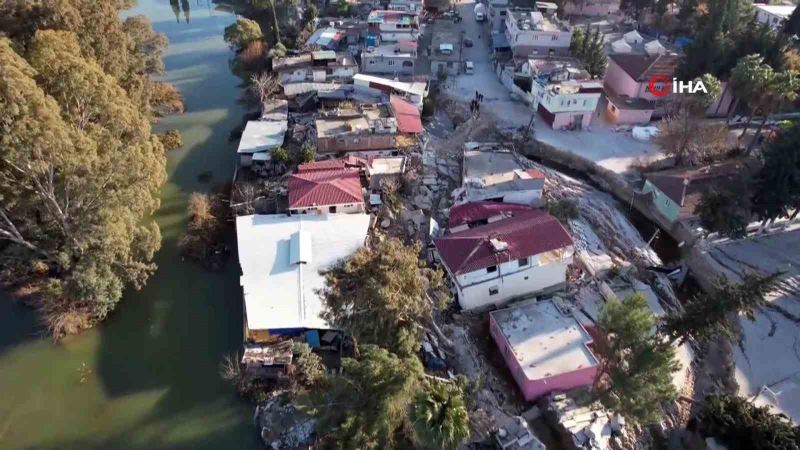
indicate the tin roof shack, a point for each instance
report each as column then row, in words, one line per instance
column 411, row 91
column 259, row 139
column 326, row 192
column 492, row 172
column 565, row 93
column 281, row 258
column 546, row 349
column 364, row 128
column 676, row 193
column 511, row 258
column 319, row 67
column 446, row 48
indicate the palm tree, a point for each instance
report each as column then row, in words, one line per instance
column 439, row 416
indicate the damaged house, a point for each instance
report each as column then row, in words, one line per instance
column 365, row 128
column 490, row 264
column 492, row 172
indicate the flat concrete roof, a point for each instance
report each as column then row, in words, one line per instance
column 546, row 342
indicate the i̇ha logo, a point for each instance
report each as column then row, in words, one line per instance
column 661, row 85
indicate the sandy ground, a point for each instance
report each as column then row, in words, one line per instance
column 614, row 150
column 769, row 351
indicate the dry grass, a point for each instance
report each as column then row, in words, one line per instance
column 64, row 318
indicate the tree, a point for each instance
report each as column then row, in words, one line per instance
column 367, row 405
column 308, row 153
column 707, row 315
column 241, row 33
column 777, row 185
column 308, row 365
column 726, row 210
column 439, row 416
column 264, row 86
column 740, row 424
column 635, row 373
column 67, row 128
column 588, row 47
column 171, row 139
column 380, row 295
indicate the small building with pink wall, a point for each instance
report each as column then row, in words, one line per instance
column 546, row 349
column 626, row 85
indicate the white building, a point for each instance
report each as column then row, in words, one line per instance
column 531, row 33
column 510, row 258
column 258, row 140
column 492, row 172
column 414, row 6
column 281, row 258
column 773, row 15
column 412, row 91
column 393, row 59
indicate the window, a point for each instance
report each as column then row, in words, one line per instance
column 494, row 290
column 503, row 13
column 491, row 269
column 332, row 209
column 523, row 261
column 408, row 64
column 554, row 38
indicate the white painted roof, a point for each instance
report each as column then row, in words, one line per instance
column 621, row 46
column 783, row 11
column 545, row 341
column 633, row 37
column 260, row 136
column 654, row 47
column 281, row 257
column 414, row 87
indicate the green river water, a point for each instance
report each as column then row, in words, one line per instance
column 148, row 377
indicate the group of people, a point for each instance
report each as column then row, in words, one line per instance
column 475, row 105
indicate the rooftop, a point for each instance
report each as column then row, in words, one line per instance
column 392, row 50
column 261, row 136
column 644, row 67
column 472, row 212
column 389, row 165
column 486, row 165
column 445, row 42
column 275, row 110
column 401, row 17
column 528, row 20
column 324, row 187
column 546, row 342
column 413, row 87
column 525, row 234
column 281, row 258
column 783, row 11
column 408, row 116
column 364, row 119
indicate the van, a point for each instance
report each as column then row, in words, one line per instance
column 469, row 68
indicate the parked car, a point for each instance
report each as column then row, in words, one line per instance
column 467, row 42
column 469, row 67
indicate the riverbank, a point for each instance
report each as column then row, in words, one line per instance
column 148, row 377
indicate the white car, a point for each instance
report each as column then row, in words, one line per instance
column 469, row 67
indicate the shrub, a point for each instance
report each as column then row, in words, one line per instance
column 171, row 140
column 280, row 155
column 308, row 153
column 308, row 364
column 428, row 107
column 564, row 209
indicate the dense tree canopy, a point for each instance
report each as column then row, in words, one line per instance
column 380, row 295
column 588, row 47
column 80, row 171
column 726, row 210
column 439, row 416
column 244, row 31
column 741, row 425
column 777, row 186
column 636, row 365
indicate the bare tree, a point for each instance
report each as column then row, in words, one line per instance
column 264, row 86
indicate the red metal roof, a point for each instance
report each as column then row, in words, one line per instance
column 475, row 211
column 406, row 114
column 526, row 234
column 332, row 164
column 324, row 187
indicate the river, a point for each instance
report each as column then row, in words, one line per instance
column 148, row 377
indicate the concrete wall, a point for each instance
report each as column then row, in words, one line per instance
column 344, row 143
column 510, row 281
column 566, row 119
column 345, row 208
column 591, row 8
column 533, row 389
column 382, row 65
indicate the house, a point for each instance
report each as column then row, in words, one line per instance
column 565, row 95
column 414, row 6
column 491, row 264
column 392, row 26
column 545, row 348
column 469, row 215
column 445, row 50
column 412, row 91
column 626, row 86
column 492, row 172
column 591, row 7
column 319, row 67
column 408, row 116
column 773, row 15
column 326, row 38
column 281, row 258
column 326, row 192
column 396, row 59
column 363, row 128
column 531, row 33
column 334, row 33
column 676, row 193
column 498, row 10
column 258, row 140
column 380, row 169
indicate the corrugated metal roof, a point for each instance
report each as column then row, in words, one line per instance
column 526, row 234
column 406, row 114
column 476, row 211
column 260, row 136
column 324, row 187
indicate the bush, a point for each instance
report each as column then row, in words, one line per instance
column 308, row 364
column 204, row 240
column 564, row 209
column 171, row 140
column 241, row 33
column 280, row 155
column 308, row 153
column 742, row 425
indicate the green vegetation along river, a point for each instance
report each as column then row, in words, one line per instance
column 148, row 377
